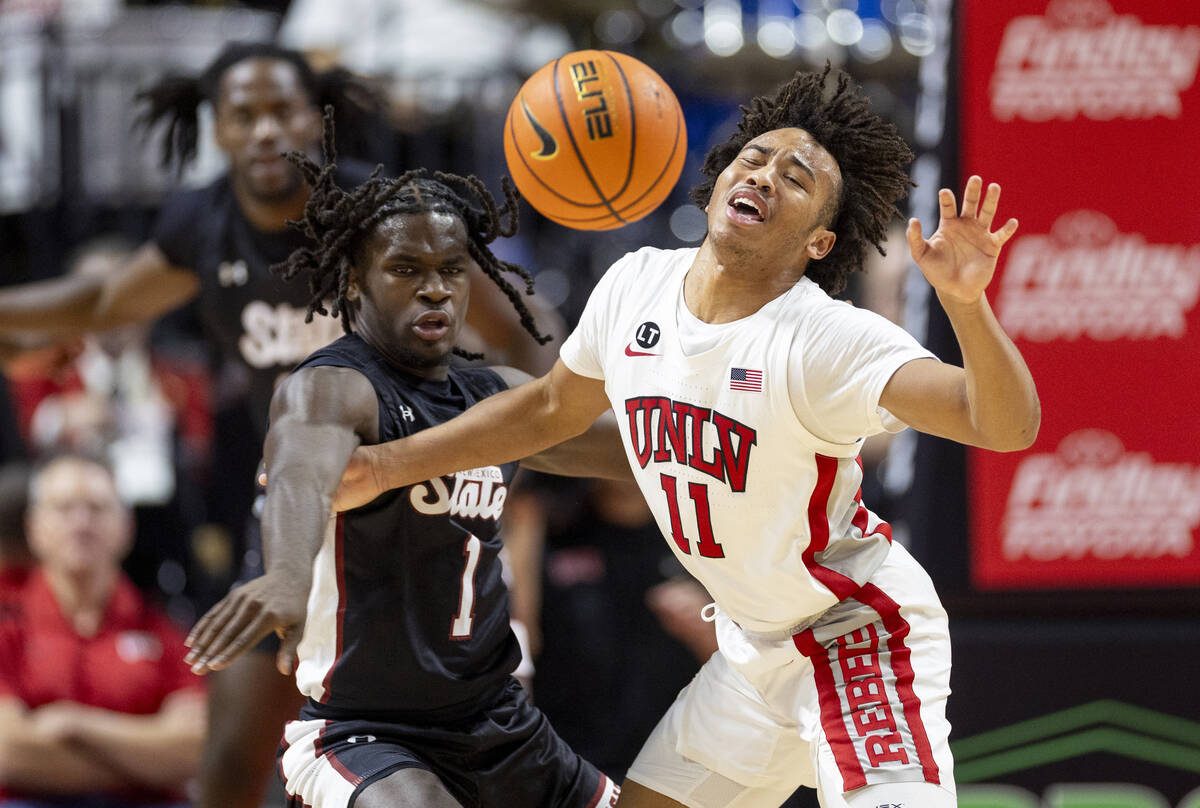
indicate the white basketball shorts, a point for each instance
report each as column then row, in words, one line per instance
column 853, row 706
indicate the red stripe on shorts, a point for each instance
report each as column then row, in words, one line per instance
column 319, row 748
column 901, row 658
column 833, row 720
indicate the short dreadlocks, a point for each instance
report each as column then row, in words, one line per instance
column 336, row 220
column 869, row 152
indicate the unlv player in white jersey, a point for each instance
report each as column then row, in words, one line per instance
column 744, row 393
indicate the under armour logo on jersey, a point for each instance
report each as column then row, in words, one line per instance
column 233, row 273
column 406, row 413
column 890, row 805
column 368, row 739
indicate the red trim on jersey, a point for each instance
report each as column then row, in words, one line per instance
column 901, row 659
column 339, row 565
column 818, row 530
column 833, row 719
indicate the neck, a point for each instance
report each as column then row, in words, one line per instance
column 270, row 216
column 721, row 287
column 403, row 360
column 83, row 598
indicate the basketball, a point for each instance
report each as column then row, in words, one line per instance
column 595, row 140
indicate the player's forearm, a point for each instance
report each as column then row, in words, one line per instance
column 502, row 428
column 60, row 306
column 1002, row 398
column 161, row 750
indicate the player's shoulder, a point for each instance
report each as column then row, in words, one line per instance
column 510, row 376
column 829, row 316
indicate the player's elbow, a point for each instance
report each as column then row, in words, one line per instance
column 1021, row 433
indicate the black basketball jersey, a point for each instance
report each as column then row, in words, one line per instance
column 252, row 315
column 408, row 617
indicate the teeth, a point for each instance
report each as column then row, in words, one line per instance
column 741, row 200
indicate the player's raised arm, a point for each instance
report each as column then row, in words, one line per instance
column 991, row 401
column 511, row 425
column 318, row 416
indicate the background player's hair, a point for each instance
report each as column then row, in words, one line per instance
column 176, row 99
column 869, row 152
column 337, row 220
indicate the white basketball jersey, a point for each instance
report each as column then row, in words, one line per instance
column 764, row 513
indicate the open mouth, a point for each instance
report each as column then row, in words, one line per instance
column 432, row 325
column 747, row 207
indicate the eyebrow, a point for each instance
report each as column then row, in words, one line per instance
column 795, row 160
column 401, row 257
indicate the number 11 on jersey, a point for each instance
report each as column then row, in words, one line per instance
column 698, row 492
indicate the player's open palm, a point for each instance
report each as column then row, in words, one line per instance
column 243, row 617
column 959, row 259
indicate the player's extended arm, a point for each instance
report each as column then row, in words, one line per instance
column 511, row 425
column 597, row 452
column 35, row 760
column 160, row 750
column 77, row 303
column 318, row 416
column 990, row 402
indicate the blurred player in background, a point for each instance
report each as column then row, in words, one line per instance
column 214, row 245
column 744, row 392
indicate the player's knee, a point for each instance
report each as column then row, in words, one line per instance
column 406, row 788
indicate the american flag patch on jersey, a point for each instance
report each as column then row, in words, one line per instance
column 745, row 379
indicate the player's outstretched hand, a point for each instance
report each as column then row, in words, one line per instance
column 959, row 259
column 360, row 481
column 245, row 616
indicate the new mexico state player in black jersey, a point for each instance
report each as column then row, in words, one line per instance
column 406, row 649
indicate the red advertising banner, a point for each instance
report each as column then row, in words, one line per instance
column 1088, row 114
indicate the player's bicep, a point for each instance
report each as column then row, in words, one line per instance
column 319, row 415
column 931, row 397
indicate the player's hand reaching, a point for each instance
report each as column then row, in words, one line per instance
column 360, row 481
column 959, row 259
column 245, row 616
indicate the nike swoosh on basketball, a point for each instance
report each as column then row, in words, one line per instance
column 629, row 351
column 549, row 144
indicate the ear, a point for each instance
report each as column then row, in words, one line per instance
column 353, row 290
column 819, row 242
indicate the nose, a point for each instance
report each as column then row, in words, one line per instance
column 760, row 179
column 266, row 128
column 434, row 288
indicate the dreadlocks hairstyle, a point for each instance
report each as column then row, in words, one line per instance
column 336, row 220
column 869, row 152
column 176, row 99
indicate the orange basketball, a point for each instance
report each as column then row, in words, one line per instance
column 595, row 140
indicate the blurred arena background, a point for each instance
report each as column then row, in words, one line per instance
column 1071, row 571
